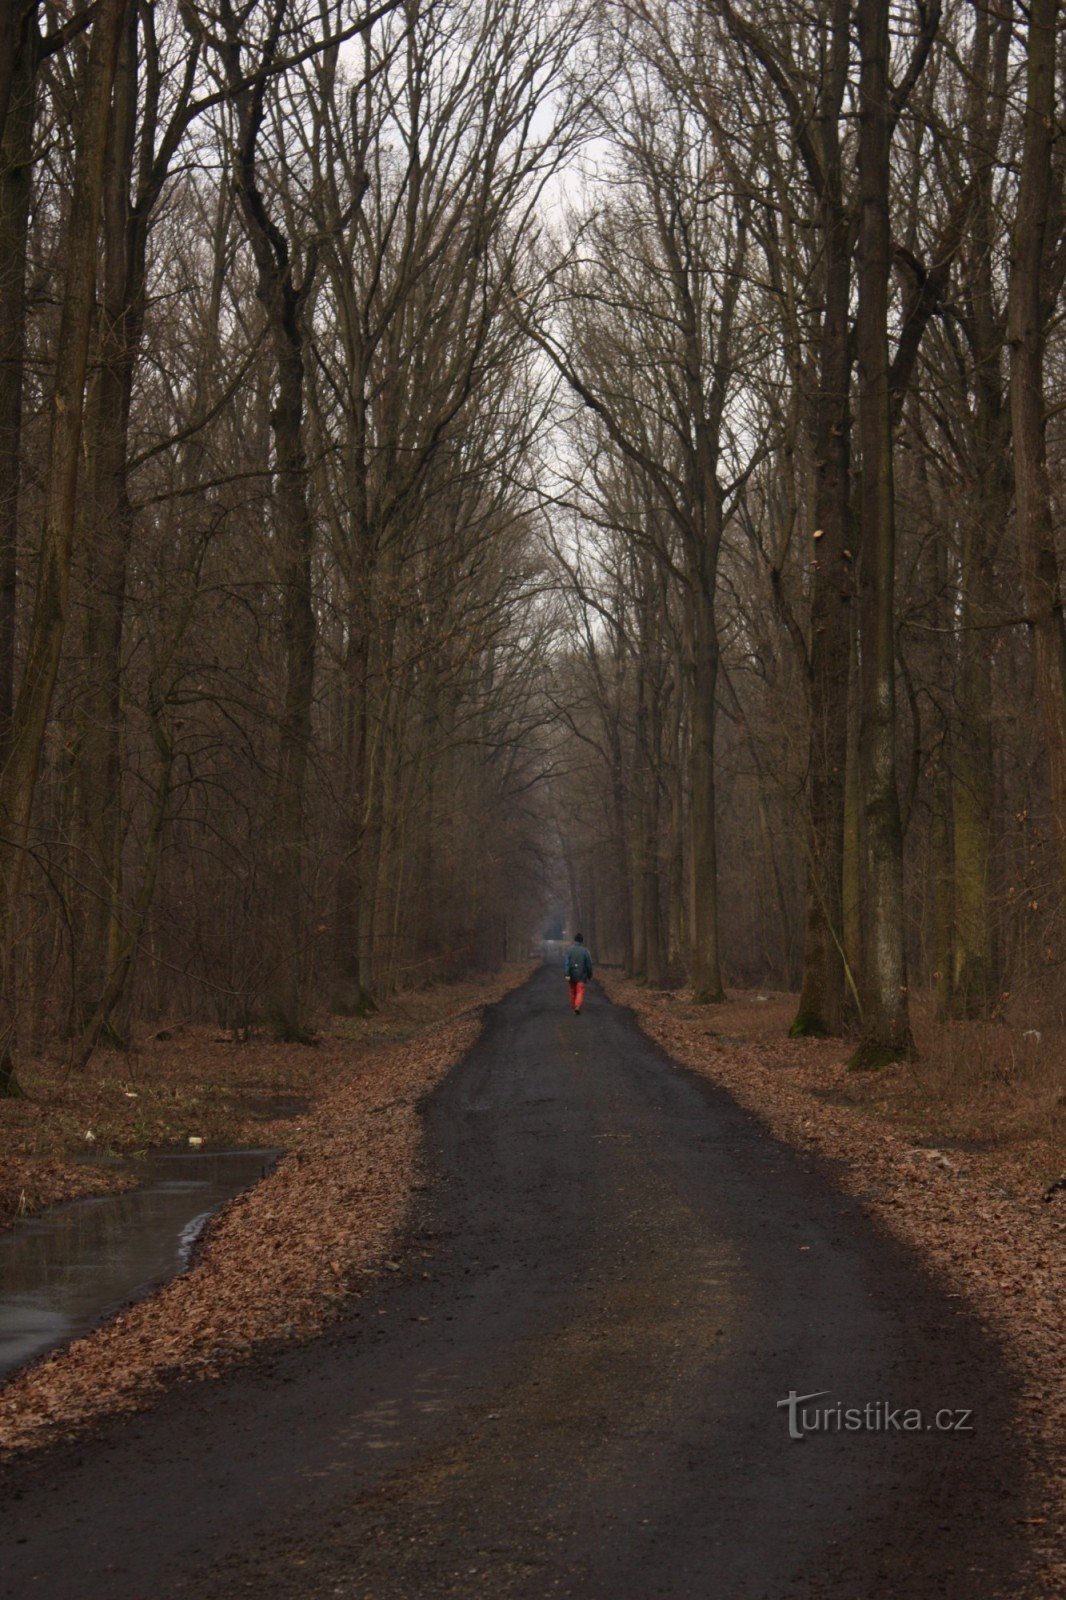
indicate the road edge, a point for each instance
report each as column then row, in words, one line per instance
column 987, row 1249
column 277, row 1262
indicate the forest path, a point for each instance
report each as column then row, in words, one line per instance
column 570, row 1388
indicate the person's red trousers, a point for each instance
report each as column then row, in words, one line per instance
column 577, row 993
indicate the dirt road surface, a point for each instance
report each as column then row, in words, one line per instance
column 570, row 1384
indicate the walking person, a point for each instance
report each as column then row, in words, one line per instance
column 578, row 969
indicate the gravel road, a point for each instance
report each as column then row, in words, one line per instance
column 569, row 1384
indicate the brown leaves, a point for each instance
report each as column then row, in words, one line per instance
column 278, row 1259
column 980, row 1223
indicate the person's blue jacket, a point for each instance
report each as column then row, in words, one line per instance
column 577, row 964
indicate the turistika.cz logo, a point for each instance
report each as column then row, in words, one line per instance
column 876, row 1416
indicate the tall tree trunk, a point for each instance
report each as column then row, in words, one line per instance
column 653, row 944
column 621, row 844
column 939, row 669
column 971, row 982
column 851, row 873
column 105, row 533
column 942, row 891
column 706, row 969
column 1026, row 334
column 283, row 300
column 973, row 968
column 370, row 863
column 32, row 709
column 16, row 157
column 886, row 1034
column 677, row 942
column 821, row 1004
column 9, row 49
column 298, row 633
column 638, row 827
column 351, row 997
column 127, row 939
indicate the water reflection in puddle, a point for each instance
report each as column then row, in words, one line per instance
column 63, row 1272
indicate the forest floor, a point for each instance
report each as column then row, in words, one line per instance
column 279, row 1257
column 188, row 1080
column 954, row 1154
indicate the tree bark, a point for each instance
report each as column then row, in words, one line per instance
column 677, row 941
column 706, row 969
column 653, row 941
column 283, row 300
column 851, row 888
column 973, row 976
column 966, row 961
column 105, row 534
column 126, row 940
column 1026, row 333
column 33, row 706
column 638, row 830
column 16, row 158
column 352, row 994
column 621, row 845
column 821, row 1003
column 886, row 1034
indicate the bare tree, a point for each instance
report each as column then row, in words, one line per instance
column 1034, row 286
column 32, row 707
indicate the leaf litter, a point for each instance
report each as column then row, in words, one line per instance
column 984, row 1221
column 277, row 1261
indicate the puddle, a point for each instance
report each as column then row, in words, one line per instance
column 63, row 1272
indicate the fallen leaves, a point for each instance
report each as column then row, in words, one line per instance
column 181, row 1080
column 980, row 1224
column 275, row 1262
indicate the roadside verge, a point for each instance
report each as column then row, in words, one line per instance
column 278, row 1260
column 986, row 1237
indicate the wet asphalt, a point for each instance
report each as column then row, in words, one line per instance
column 571, row 1386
